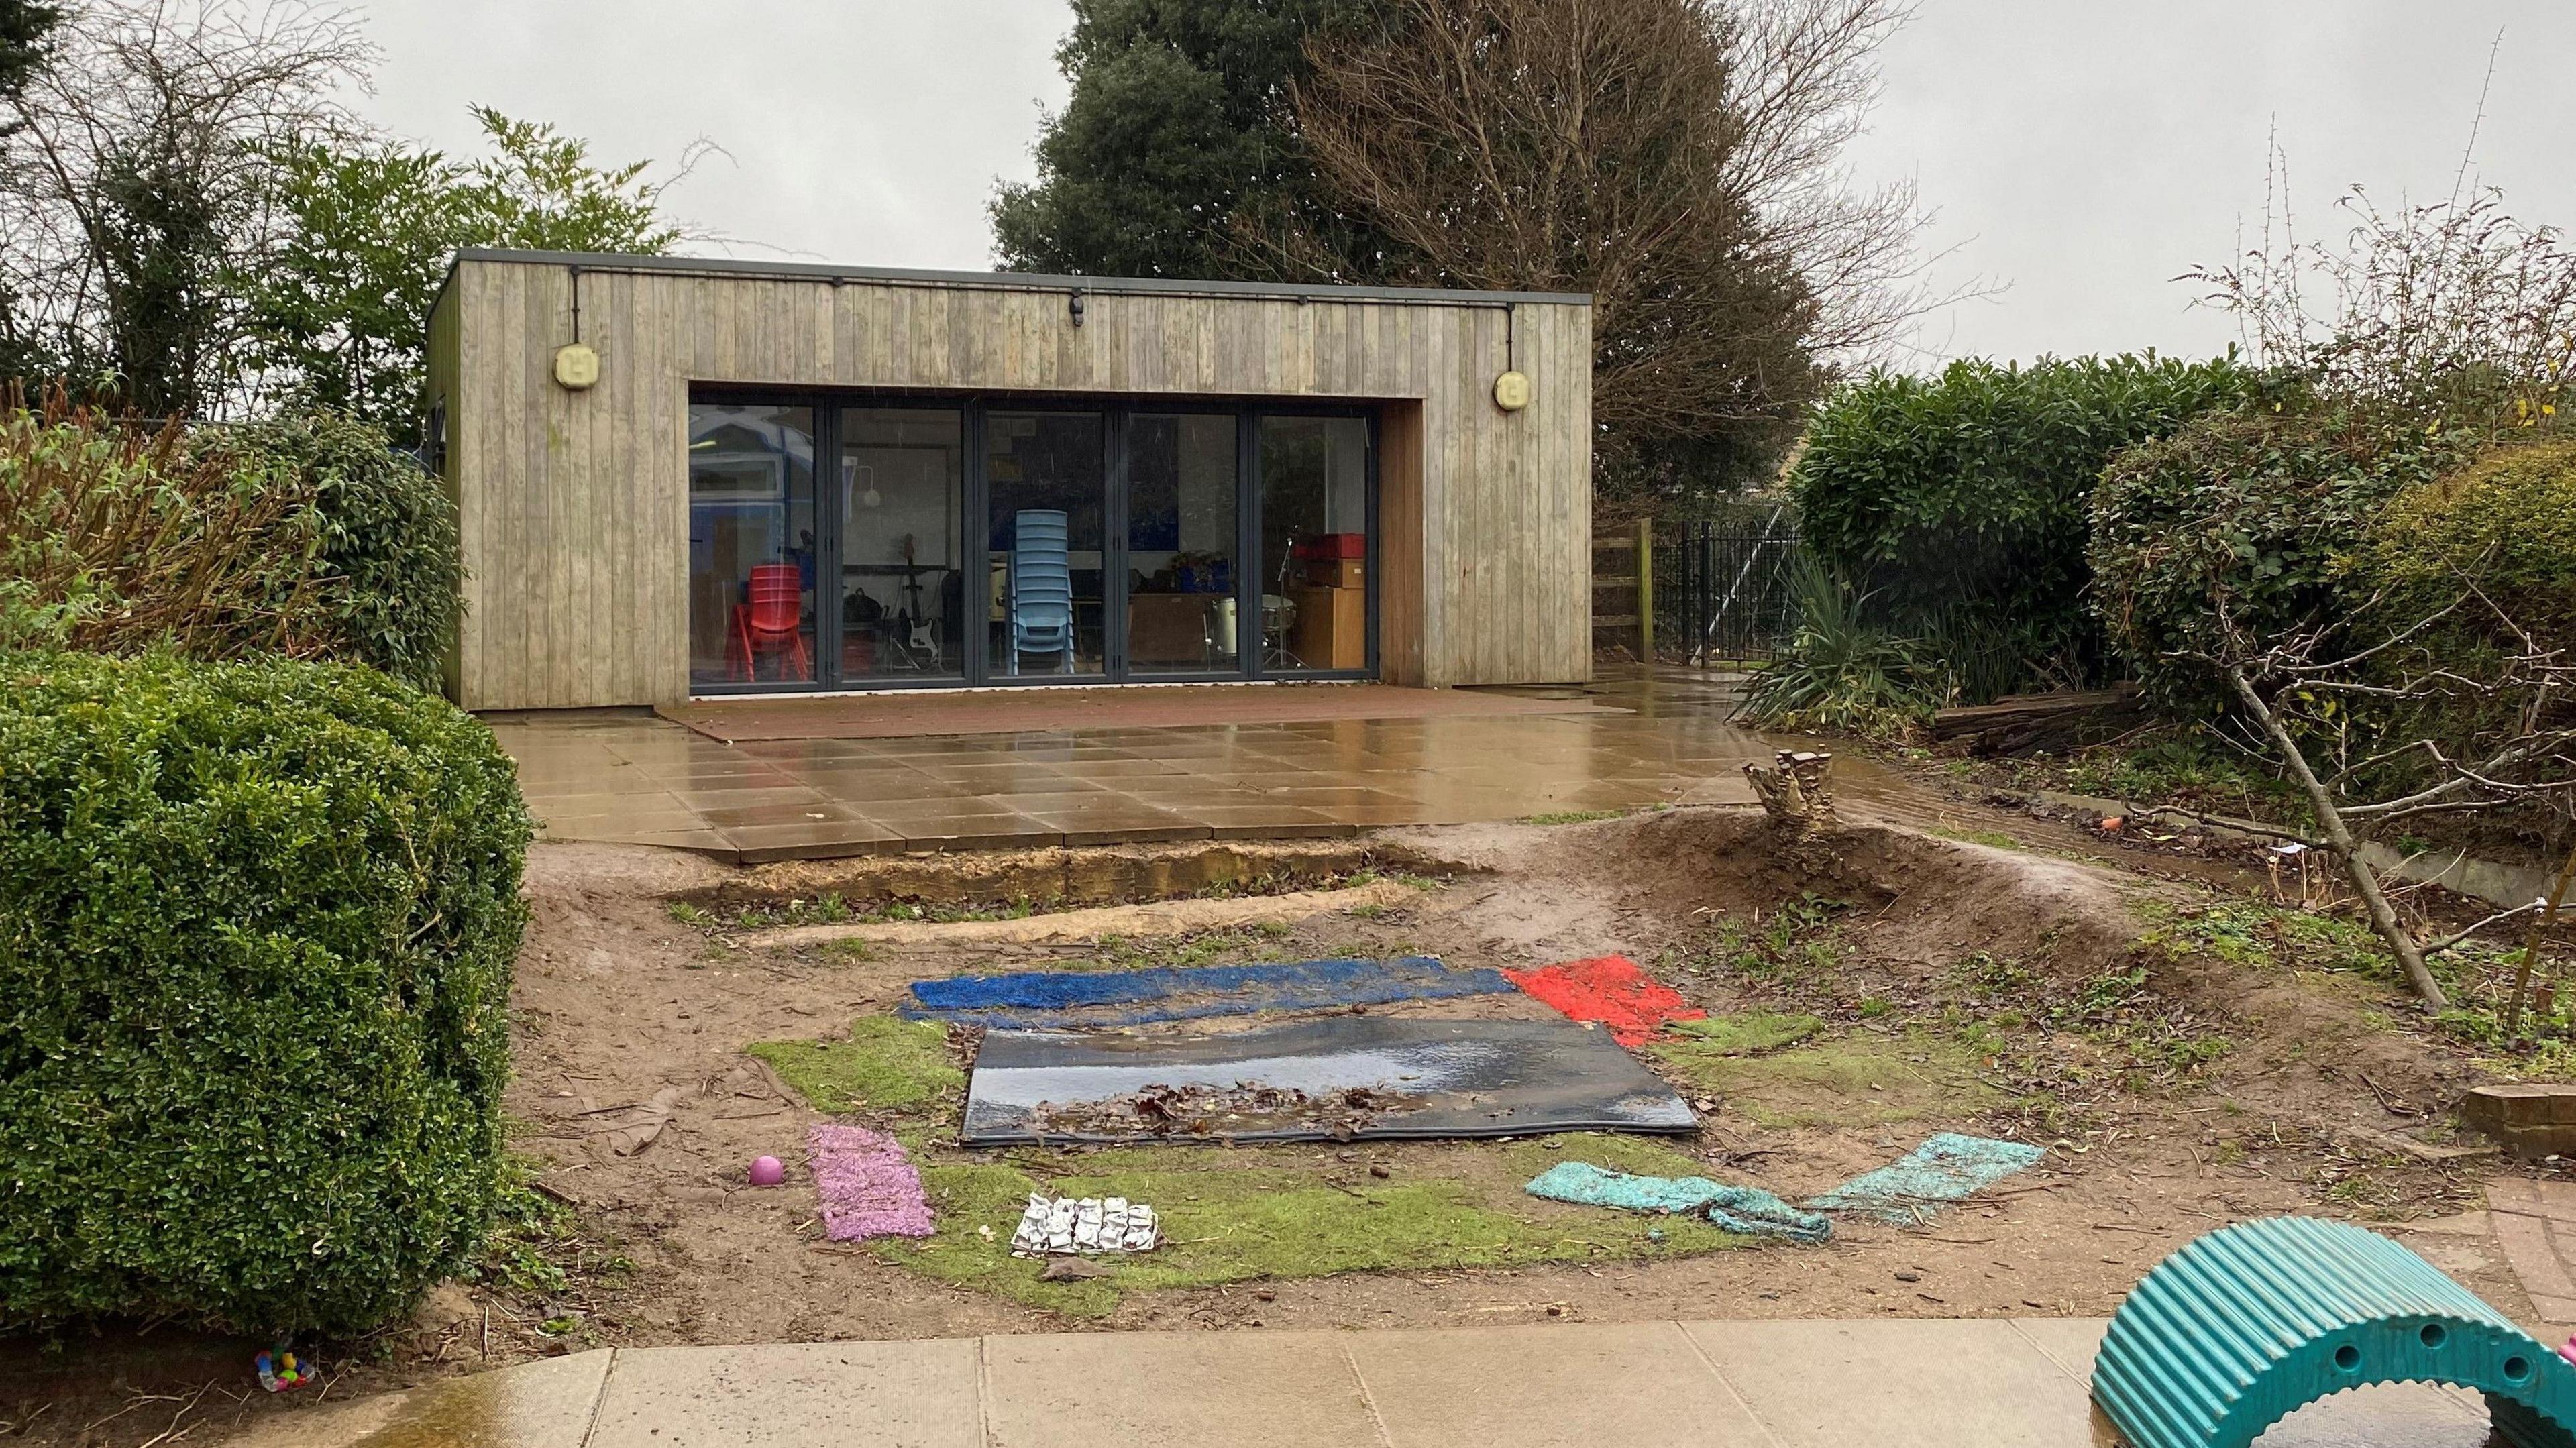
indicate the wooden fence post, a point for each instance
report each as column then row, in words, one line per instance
column 1645, row 590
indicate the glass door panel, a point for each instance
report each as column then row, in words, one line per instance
column 1314, row 544
column 903, row 559
column 751, row 546
column 1181, row 544
column 1045, row 589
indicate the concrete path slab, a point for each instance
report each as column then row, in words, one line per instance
column 1636, row 1385
column 2533, row 1245
column 2069, row 1342
column 1174, row 1390
column 1890, row 1383
column 796, row 1395
column 536, row 1405
column 1900, row 1384
column 2393, row 1415
column 2535, row 1224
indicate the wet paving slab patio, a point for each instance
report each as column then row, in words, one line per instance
column 1886, row 1383
column 635, row 778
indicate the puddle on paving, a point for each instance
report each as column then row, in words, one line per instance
column 532, row 1405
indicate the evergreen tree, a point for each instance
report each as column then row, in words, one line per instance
column 1178, row 130
column 23, row 24
column 1678, row 160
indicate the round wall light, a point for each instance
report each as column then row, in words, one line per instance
column 1512, row 391
column 576, row 367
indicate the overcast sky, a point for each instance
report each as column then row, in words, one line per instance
column 2079, row 152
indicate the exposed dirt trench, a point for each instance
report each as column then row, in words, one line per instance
column 1949, row 986
column 620, row 1003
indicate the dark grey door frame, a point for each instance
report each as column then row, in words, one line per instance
column 975, row 532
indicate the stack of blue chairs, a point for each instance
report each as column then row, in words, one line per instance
column 1041, row 587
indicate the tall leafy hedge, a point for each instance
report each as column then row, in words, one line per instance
column 390, row 570
column 2246, row 522
column 2508, row 522
column 256, row 930
column 306, row 534
column 1961, row 499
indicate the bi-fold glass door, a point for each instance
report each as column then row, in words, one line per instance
column 901, row 604
column 1183, row 609
column 1050, row 572
column 966, row 541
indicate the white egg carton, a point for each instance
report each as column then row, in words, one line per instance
column 1064, row 1225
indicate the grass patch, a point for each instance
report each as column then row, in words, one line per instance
column 1253, row 942
column 1636, row 1155
column 539, row 1258
column 1405, row 878
column 530, row 1231
column 2331, row 952
column 1266, row 1213
column 829, row 907
column 1746, row 1033
column 1793, row 942
column 1991, row 839
column 1858, row 1078
column 2189, row 770
column 2251, row 934
column 2151, row 1039
column 886, row 1064
column 1572, row 816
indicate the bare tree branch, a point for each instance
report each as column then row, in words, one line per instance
column 137, row 181
column 2341, row 841
column 2449, row 942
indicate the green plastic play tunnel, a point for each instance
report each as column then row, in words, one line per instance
column 2253, row 1322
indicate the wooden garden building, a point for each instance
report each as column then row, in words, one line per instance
column 682, row 476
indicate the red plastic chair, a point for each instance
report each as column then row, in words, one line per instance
column 773, row 622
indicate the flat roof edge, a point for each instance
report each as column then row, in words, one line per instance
column 1013, row 281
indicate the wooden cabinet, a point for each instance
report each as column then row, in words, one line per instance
column 1170, row 630
column 1331, row 631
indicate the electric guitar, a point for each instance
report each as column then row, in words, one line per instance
column 921, row 633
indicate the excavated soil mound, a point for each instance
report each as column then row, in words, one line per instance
column 1917, row 897
column 1916, row 908
column 1053, row 876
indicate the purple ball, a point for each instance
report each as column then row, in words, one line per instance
column 766, row 1172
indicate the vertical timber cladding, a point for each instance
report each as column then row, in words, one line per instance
column 574, row 505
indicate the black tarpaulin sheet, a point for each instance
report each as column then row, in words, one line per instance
column 1340, row 1079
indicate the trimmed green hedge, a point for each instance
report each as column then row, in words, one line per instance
column 257, row 923
column 1955, row 505
column 2259, row 512
column 393, row 576
column 2507, row 521
column 304, row 534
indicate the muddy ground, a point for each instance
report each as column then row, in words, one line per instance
column 1953, row 985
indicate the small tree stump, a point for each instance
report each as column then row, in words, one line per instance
column 1796, row 789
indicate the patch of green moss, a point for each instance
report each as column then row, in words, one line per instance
column 2247, row 933
column 886, row 1064
column 1746, row 1033
column 1254, row 1213
column 1635, row 1155
column 1858, row 1078
column 1991, row 839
